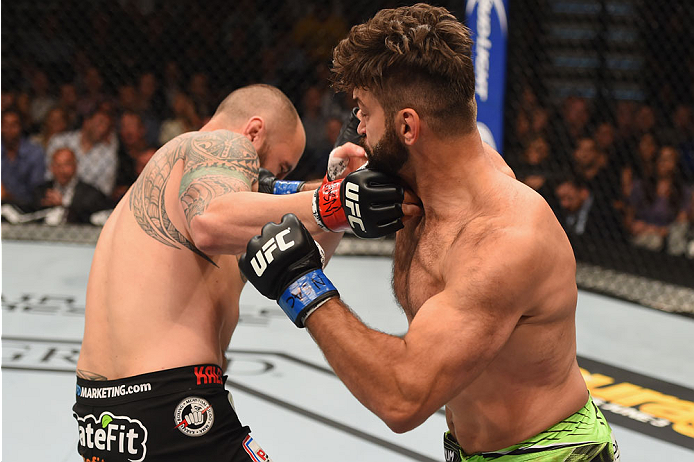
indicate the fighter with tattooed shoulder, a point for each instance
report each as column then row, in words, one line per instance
column 164, row 287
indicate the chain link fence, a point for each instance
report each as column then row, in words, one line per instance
column 599, row 120
column 598, row 113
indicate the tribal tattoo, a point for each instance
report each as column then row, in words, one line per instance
column 215, row 163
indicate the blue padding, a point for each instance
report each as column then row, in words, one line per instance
column 286, row 187
column 300, row 294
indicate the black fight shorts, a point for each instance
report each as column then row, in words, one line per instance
column 182, row 414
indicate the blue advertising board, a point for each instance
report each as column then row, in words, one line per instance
column 489, row 24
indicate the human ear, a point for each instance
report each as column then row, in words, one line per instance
column 408, row 125
column 255, row 129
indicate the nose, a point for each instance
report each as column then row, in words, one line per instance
column 361, row 128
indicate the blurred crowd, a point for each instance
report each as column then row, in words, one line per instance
column 612, row 174
column 87, row 101
column 88, row 106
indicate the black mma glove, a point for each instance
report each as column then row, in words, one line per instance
column 348, row 132
column 366, row 201
column 285, row 264
column 267, row 183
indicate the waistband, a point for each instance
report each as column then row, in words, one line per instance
column 586, row 427
column 151, row 384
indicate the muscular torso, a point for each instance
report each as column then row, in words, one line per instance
column 153, row 300
column 534, row 381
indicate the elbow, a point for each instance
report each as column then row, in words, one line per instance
column 403, row 412
column 209, row 237
column 202, row 234
column 403, row 419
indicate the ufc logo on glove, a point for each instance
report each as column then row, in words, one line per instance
column 352, row 205
column 264, row 256
column 294, row 275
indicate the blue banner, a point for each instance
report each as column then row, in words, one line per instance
column 488, row 21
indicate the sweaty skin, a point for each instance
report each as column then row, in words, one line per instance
column 164, row 285
column 486, row 278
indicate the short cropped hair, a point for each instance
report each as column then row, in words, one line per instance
column 414, row 56
column 257, row 99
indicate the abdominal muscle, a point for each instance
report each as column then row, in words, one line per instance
column 512, row 400
column 152, row 307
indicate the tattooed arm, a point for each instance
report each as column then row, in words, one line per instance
column 218, row 164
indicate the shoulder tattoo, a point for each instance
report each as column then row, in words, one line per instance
column 215, row 163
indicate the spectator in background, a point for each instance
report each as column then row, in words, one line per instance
column 571, row 126
column 591, row 165
column 527, row 105
column 645, row 120
column 643, row 164
column 605, row 137
column 151, row 105
column 67, row 101
column 151, row 101
column 142, row 159
column 682, row 136
column 171, row 85
column 79, row 199
column 314, row 120
column 332, row 131
column 312, row 163
column 132, row 145
column 531, row 120
column 199, row 92
column 318, row 31
column 681, row 237
column 41, row 99
column 535, row 166
column 185, row 119
column 624, row 119
column 8, row 99
column 95, row 145
column 658, row 202
column 584, row 215
column 54, row 123
column 23, row 162
column 127, row 98
column 93, row 93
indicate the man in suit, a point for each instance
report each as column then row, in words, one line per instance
column 584, row 214
column 79, row 199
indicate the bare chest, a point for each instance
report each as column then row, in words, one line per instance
column 416, row 266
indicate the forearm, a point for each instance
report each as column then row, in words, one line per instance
column 232, row 219
column 311, row 185
column 374, row 366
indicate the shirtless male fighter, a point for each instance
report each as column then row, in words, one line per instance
column 486, row 276
column 164, row 287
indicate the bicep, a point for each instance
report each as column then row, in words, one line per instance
column 455, row 336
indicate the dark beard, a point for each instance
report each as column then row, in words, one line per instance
column 389, row 154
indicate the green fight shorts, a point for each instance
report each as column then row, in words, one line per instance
column 584, row 436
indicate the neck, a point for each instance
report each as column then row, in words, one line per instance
column 12, row 148
column 439, row 170
column 86, row 142
column 216, row 123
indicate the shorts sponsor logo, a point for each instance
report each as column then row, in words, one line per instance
column 112, row 392
column 254, row 450
column 114, row 434
column 194, row 416
column 206, row 375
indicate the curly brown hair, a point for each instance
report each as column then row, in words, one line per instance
column 414, row 56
